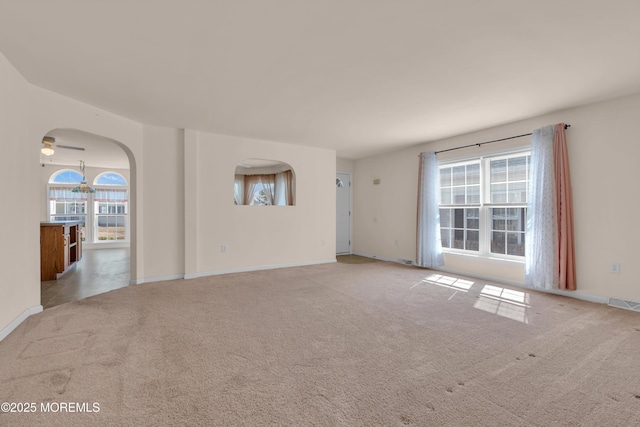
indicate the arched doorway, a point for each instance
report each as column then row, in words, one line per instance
column 104, row 212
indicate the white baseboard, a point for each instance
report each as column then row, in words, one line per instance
column 156, row 279
column 258, row 268
column 106, row 245
column 18, row 320
column 384, row 258
column 571, row 294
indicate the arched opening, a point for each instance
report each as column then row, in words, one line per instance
column 108, row 239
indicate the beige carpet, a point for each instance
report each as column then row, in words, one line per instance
column 334, row 344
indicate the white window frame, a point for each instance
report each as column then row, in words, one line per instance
column 85, row 218
column 95, row 209
column 485, row 225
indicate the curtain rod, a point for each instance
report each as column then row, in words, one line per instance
column 490, row 142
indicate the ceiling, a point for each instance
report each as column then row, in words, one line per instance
column 358, row 76
column 98, row 151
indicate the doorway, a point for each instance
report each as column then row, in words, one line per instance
column 343, row 213
column 103, row 209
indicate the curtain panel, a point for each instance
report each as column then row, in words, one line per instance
column 65, row 193
column 284, row 188
column 238, row 190
column 110, row 195
column 549, row 253
column 429, row 244
column 277, row 188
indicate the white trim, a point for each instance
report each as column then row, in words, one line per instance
column 350, row 212
column 259, row 268
column 116, row 244
column 18, row 320
column 571, row 294
column 384, row 258
column 156, row 279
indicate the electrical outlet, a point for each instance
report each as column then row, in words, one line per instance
column 614, row 268
column 223, row 248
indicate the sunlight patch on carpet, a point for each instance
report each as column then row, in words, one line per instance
column 503, row 302
column 447, row 282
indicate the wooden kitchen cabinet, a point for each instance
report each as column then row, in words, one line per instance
column 60, row 248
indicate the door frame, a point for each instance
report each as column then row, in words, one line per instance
column 350, row 210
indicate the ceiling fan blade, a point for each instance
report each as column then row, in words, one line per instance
column 68, row 147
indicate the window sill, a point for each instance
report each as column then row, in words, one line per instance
column 488, row 258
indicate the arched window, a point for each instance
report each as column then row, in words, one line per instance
column 66, row 176
column 64, row 204
column 110, row 207
column 110, row 178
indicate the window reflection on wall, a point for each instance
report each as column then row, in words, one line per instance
column 260, row 182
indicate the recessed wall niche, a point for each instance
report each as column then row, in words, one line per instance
column 263, row 182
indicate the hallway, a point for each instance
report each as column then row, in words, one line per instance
column 99, row 271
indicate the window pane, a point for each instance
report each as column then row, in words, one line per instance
column 473, row 219
column 473, row 174
column 458, row 218
column 517, row 168
column 515, row 244
column 67, row 177
column 445, row 235
column 445, row 177
column 473, row 194
column 110, row 178
column 498, row 170
column 518, row 192
column 516, row 219
column 498, row 193
column 498, row 242
column 445, row 217
column 473, row 240
column 458, row 196
column 458, row 239
column 458, row 175
column 445, row 196
column 498, row 218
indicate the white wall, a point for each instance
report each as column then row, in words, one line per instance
column 259, row 236
column 344, row 165
column 19, row 286
column 603, row 150
column 163, row 217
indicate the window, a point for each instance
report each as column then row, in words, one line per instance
column 111, row 208
column 110, row 178
column 64, row 204
column 483, row 205
column 259, row 182
column 104, row 214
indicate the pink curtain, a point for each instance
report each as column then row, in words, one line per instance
column 564, row 200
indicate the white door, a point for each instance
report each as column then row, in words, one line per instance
column 343, row 213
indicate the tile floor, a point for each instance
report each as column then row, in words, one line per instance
column 99, row 271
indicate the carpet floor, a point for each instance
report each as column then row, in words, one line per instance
column 328, row 345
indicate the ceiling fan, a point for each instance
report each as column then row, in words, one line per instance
column 49, row 142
